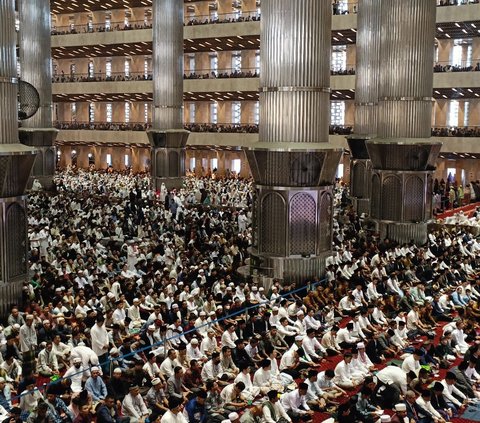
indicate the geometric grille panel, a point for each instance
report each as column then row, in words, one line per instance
column 324, row 227
column 359, row 183
column 375, row 201
column 413, row 199
column 16, row 227
column 273, row 224
column 392, row 198
column 302, row 224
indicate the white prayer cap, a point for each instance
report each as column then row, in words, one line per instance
column 194, row 341
column 202, row 313
column 385, row 418
column 95, row 369
column 136, row 300
column 275, row 308
column 117, row 370
column 400, row 407
column 151, row 327
column 77, row 360
column 114, row 351
column 233, row 416
column 300, row 313
column 360, row 345
column 155, row 381
column 299, row 338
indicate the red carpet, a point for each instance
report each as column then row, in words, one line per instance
column 468, row 210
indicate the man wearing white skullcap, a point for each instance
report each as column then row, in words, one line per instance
column 232, row 418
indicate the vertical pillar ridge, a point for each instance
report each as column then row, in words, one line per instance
column 35, row 57
column 8, row 74
column 407, row 60
column 167, row 64
column 367, row 80
column 295, row 77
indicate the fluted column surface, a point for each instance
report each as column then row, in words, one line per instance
column 295, row 77
column 8, row 74
column 167, row 64
column 367, row 81
column 35, row 57
column 406, row 82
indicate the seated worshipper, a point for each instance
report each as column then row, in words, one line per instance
column 57, row 409
column 47, row 361
column 30, row 397
column 156, row 397
column 439, row 402
column 456, row 399
column 358, row 368
column 174, row 413
column 424, row 401
column 273, row 411
column 194, row 353
column 252, row 415
column 325, row 383
column 108, row 412
column 400, row 415
column 195, row 409
column 412, row 362
column 459, row 338
column 264, row 380
column 133, row 405
column 344, row 377
column 345, row 339
column 175, row 385
column 250, row 391
column 95, row 385
column 368, row 412
column 232, row 396
column 316, row 399
column 290, row 363
column 295, row 404
column 213, row 370
column 312, row 346
column 414, row 411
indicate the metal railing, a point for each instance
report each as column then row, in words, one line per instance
column 102, row 126
column 101, row 77
column 233, row 17
column 462, row 66
column 86, row 28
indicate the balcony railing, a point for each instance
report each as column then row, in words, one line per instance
column 222, row 73
column 102, row 77
column 243, row 16
column 457, row 131
column 100, row 27
column 456, row 2
column 102, row 126
column 463, row 66
column 246, row 128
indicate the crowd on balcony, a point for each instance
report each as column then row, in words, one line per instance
column 99, row 77
column 85, row 29
column 223, row 19
column 104, row 126
column 222, row 128
column 456, row 68
column 456, row 2
column 456, row 132
column 222, row 75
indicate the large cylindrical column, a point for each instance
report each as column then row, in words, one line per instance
column 367, row 83
column 292, row 164
column 403, row 157
column 167, row 62
column 406, row 82
column 36, row 69
column 295, row 76
column 167, row 137
column 16, row 162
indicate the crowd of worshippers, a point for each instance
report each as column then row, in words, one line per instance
column 135, row 312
